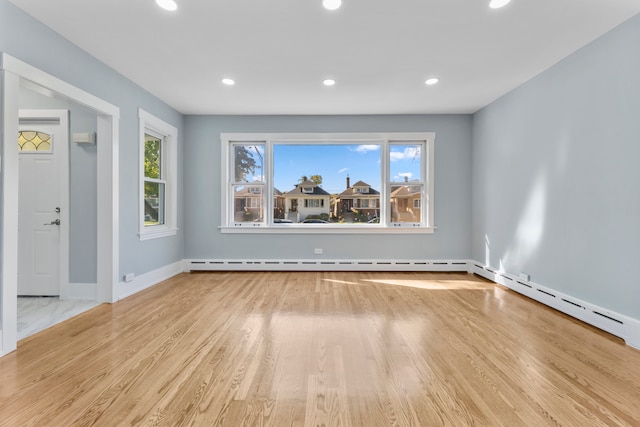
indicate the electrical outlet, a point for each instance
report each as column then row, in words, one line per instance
column 318, row 251
column 524, row 276
column 129, row 277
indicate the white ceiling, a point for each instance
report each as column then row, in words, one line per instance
column 380, row 52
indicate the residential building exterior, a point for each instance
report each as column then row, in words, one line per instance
column 248, row 204
column 307, row 198
column 406, row 203
column 359, row 202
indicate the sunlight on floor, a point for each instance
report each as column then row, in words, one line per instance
column 435, row 284
column 440, row 282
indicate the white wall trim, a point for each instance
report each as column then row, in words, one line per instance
column 616, row 324
column 147, row 280
column 14, row 73
column 9, row 205
column 49, row 81
column 323, row 265
column 169, row 156
column 79, row 291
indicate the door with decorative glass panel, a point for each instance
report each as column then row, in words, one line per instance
column 43, row 146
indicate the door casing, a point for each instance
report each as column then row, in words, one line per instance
column 14, row 74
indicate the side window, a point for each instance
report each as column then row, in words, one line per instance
column 406, row 166
column 247, row 183
column 155, row 183
column 158, row 169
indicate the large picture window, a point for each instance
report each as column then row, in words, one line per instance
column 158, row 170
column 333, row 182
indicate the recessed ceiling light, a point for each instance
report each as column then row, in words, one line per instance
column 328, row 82
column 432, row 81
column 495, row 4
column 167, row 4
column 331, row 4
column 228, row 82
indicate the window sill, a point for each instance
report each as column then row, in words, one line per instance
column 326, row 229
column 166, row 232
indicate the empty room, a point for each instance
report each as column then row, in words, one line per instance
column 319, row 213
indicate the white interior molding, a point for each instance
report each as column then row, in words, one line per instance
column 9, row 190
column 13, row 72
column 146, row 280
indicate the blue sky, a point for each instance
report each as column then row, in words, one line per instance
column 335, row 162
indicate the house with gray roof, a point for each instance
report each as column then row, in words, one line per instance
column 307, row 198
column 357, row 202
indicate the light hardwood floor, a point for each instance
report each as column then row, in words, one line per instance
column 321, row 349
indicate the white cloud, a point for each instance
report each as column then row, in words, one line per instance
column 343, row 170
column 407, row 154
column 396, row 155
column 402, row 175
column 366, row 148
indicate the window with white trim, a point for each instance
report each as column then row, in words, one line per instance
column 158, row 173
column 302, row 182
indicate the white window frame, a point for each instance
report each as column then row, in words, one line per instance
column 149, row 124
column 231, row 184
column 425, row 225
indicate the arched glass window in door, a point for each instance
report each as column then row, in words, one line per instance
column 34, row 141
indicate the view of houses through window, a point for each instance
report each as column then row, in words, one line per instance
column 374, row 183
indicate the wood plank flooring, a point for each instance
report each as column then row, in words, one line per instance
column 321, row 349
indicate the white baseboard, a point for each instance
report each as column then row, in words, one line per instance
column 146, row 280
column 79, row 291
column 616, row 324
column 323, row 265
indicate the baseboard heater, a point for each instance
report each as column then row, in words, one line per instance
column 616, row 324
column 326, row 265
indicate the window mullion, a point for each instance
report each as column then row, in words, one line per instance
column 269, row 185
column 385, row 209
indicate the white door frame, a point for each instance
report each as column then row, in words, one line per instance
column 13, row 73
column 62, row 118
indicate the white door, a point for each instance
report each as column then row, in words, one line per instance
column 43, row 141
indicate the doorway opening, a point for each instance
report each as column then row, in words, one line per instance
column 14, row 76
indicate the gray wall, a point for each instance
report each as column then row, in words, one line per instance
column 556, row 182
column 28, row 40
column 452, row 191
